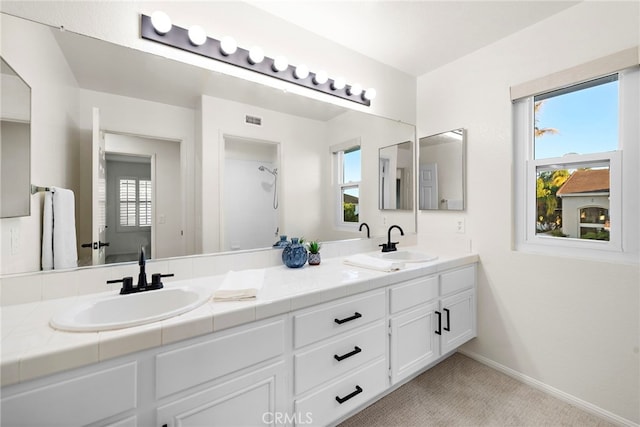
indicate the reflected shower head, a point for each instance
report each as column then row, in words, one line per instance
column 273, row 172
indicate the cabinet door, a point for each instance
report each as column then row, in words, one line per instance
column 458, row 320
column 414, row 343
column 254, row 399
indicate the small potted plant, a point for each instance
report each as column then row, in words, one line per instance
column 313, row 247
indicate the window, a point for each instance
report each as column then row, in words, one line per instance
column 569, row 146
column 347, row 172
column 134, row 202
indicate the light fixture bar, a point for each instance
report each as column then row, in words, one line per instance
column 179, row 38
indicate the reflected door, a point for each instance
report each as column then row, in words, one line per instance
column 99, row 192
column 428, row 186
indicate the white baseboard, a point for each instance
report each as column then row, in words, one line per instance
column 582, row 404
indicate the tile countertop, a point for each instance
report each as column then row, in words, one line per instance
column 30, row 348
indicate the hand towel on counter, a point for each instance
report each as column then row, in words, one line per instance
column 373, row 263
column 59, row 249
column 240, row 285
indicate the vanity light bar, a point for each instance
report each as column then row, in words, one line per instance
column 227, row 51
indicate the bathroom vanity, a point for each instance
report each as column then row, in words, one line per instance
column 318, row 345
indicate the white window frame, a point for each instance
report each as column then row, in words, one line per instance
column 624, row 164
column 337, row 152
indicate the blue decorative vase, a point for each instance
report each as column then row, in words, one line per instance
column 294, row 255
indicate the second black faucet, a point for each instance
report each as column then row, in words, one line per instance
column 391, row 246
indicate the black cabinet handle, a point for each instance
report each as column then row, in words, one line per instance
column 448, row 327
column 87, row 245
column 341, row 400
column 439, row 331
column 355, row 351
column 355, row 316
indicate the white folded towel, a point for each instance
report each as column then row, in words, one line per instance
column 59, row 248
column 240, row 285
column 366, row 261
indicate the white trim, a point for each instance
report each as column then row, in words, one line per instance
column 580, row 73
column 559, row 394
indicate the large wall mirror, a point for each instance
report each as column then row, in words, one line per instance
column 182, row 143
column 15, row 143
column 441, row 183
column 396, row 176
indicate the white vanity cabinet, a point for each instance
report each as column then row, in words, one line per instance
column 312, row 366
column 430, row 317
column 340, row 357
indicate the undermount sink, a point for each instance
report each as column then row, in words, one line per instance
column 123, row 311
column 407, row 256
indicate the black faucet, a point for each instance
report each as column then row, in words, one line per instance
column 127, row 282
column 391, row 246
column 364, row 224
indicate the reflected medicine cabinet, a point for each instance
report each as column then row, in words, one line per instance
column 441, row 175
column 15, row 144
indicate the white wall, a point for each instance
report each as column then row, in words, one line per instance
column 569, row 323
column 37, row 58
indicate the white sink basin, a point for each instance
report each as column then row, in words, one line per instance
column 123, row 311
column 407, row 256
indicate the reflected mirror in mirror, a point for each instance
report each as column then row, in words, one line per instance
column 15, row 144
column 396, row 176
column 192, row 111
column 441, row 175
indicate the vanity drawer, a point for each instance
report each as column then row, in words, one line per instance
column 338, row 357
column 330, row 319
column 412, row 293
column 457, row 280
column 322, row 407
column 196, row 364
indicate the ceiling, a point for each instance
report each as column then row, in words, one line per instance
column 413, row 36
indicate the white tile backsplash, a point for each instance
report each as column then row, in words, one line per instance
column 24, row 288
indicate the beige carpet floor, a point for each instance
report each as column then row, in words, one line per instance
column 462, row 392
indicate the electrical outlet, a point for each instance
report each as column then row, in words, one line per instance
column 460, row 225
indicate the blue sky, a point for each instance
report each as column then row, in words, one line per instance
column 586, row 120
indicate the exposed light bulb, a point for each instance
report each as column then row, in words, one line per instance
column 280, row 63
column 370, row 94
column 228, row 45
column 320, row 77
column 338, row 83
column 256, row 55
column 197, row 35
column 355, row 89
column 301, row 72
column 161, row 22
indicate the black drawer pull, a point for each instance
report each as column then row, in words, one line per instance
column 448, row 327
column 439, row 331
column 355, row 316
column 355, row 351
column 341, row 400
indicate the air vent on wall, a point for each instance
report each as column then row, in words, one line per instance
column 253, row 120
